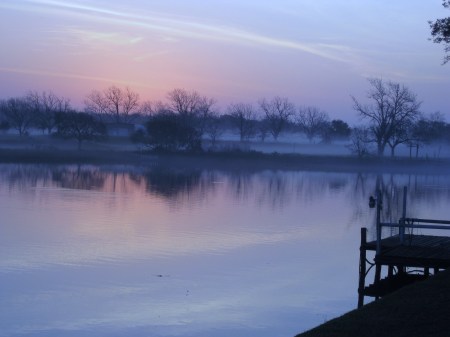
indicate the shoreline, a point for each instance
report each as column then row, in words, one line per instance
column 227, row 160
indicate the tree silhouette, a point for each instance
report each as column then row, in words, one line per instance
column 312, row 121
column 80, row 126
column 393, row 107
column 44, row 107
column 118, row 105
column 278, row 111
column 168, row 132
column 440, row 31
column 243, row 118
column 18, row 113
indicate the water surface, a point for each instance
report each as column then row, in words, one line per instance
column 122, row 251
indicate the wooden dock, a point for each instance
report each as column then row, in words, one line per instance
column 402, row 258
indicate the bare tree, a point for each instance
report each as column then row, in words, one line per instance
column 18, row 114
column 193, row 108
column 213, row 127
column 205, row 113
column 45, row 106
column 312, row 121
column 402, row 134
column 278, row 111
column 360, row 141
column 118, row 105
column 243, row 117
column 147, row 108
column 184, row 102
column 80, row 126
column 393, row 106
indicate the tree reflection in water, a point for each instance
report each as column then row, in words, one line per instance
column 265, row 188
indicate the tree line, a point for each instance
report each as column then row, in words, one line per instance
column 179, row 123
column 391, row 112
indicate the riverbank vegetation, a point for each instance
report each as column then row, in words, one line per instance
column 189, row 122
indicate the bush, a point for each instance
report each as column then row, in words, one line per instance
column 171, row 132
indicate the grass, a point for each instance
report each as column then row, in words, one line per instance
column 44, row 149
column 253, row 161
column 418, row 310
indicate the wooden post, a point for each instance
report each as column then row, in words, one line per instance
column 362, row 267
column 401, row 229
column 378, row 220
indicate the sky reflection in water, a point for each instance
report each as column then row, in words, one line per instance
column 115, row 251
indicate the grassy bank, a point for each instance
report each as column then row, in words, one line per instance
column 419, row 310
column 227, row 160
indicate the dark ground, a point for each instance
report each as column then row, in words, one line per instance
column 119, row 150
column 253, row 161
column 419, row 310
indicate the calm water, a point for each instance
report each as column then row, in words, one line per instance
column 119, row 251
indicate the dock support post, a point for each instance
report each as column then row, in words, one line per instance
column 378, row 220
column 401, row 229
column 362, row 267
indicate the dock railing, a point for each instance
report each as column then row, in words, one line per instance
column 404, row 222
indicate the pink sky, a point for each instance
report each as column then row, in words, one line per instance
column 313, row 52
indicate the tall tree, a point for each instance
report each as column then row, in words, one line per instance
column 440, row 32
column 339, row 129
column 18, row 113
column 278, row 112
column 192, row 108
column 392, row 107
column 45, row 106
column 312, row 121
column 243, row 117
column 116, row 104
column 184, row 102
column 168, row 131
column 80, row 126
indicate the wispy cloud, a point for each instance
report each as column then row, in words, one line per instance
column 179, row 27
column 96, row 37
column 37, row 72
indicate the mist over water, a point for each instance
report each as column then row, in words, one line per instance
column 138, row 251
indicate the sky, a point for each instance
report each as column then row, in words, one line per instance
column 314, row 52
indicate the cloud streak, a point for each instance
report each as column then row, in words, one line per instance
column 35, row 72
column 183, row 27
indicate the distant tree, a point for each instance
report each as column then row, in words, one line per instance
column 339, row 129
column 360, row 141
column 430, row 129
column 4, row 125
column 168, row 132
column 243, row 117
column 44, row 107
column 183, row 102
column 147, row 108
column 193, row 108
column 115, row 104
column 402, row 134
column 80, row 126
column 18, row 114
column 278, row 112
column 440, row 32
column 213, row 127
column 312, row 121
column 263, row 129
column 205, row 114
column 393, row 107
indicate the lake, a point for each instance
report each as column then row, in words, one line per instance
column 156, row 251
